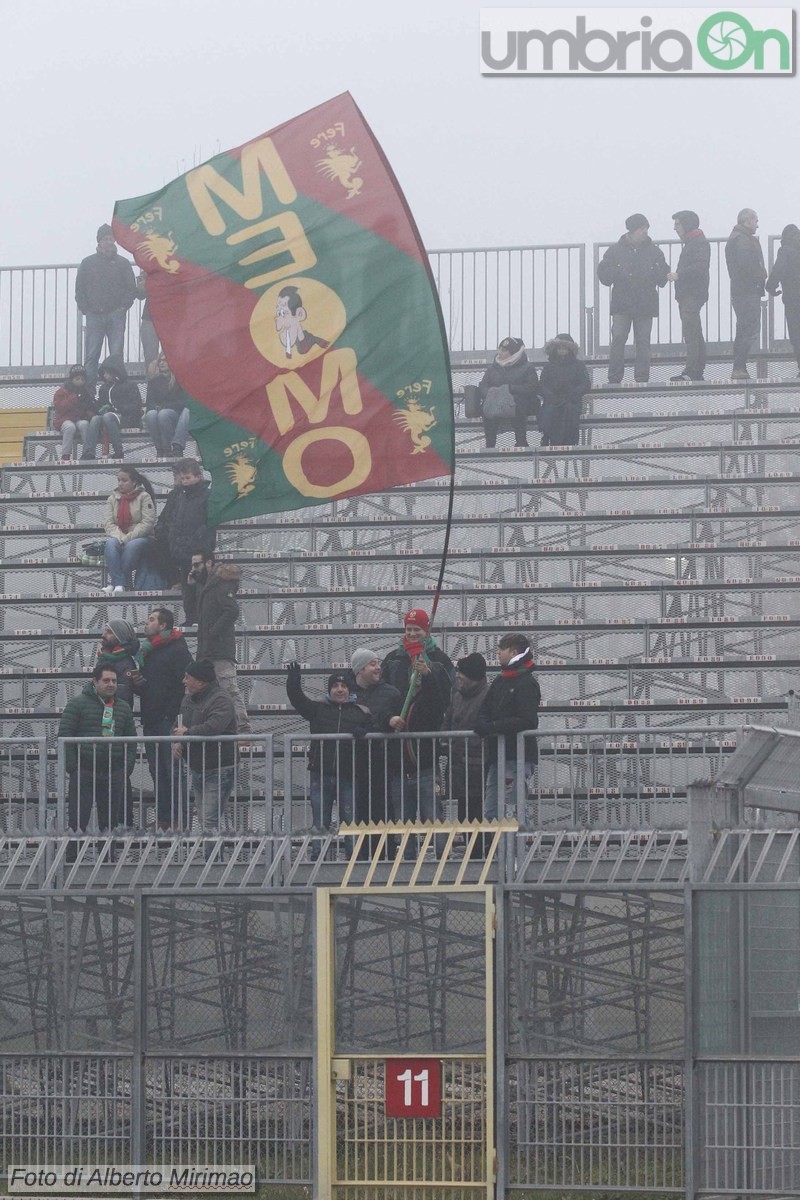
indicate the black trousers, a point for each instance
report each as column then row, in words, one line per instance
column 88, row 788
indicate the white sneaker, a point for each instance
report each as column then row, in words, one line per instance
column 108, row 589
column 118, row 590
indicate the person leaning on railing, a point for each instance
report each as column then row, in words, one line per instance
column 97, row 771
column 511, row 707
column 208, row 712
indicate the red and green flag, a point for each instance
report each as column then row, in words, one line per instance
column 293, row 299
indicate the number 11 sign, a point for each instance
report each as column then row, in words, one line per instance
column 413, row 1087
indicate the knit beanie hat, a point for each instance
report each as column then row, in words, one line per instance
column 636, row 221
column 123, row 631
column 341, row 677
column 473, row 666
column 75, row 371
column 417, row 616
column 511, row 345
column 361, row 657
column 104, row 231
column 202, row 669
column 688, row 219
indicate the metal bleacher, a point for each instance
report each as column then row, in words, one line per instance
column 655, row 564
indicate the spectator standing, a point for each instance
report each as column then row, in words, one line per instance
column 384, row 702
column 98, row 771
column 73, row 410
column 337, row 769
column 466, row 754
column 634, row 268
column 147, row 330
column 207, row 711
column 167, row 414
column 182, row 526
column 118, row 649
column 105, row 289
column 130, row 520
column 562, row 385
column 508, row 392
column 423, row 674
column 217, row 614
column 158, row 681
column 511, row 707
column 748, row 275
column 786, row 274
column 691, row 277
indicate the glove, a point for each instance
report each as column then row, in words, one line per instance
column 359, row 733
column 484, row 727
column 293, row 668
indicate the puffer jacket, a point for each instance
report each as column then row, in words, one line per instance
column 123, row 396
column 143, row 516
column 71, row 405
column 209, row 713
column 522, row 380
column 323, row 716
column 634, row 273
column 83, row 717
column 183, row 524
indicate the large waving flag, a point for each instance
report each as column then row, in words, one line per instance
column 294, row 302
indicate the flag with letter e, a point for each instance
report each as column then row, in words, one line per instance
column 293, row 299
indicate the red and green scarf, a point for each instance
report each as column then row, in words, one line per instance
column 147, row 645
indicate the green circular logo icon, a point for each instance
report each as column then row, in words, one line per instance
column 725, row 40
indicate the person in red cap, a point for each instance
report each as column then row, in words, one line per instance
column 423, row 674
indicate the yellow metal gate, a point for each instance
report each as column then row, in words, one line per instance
column 405, row 1022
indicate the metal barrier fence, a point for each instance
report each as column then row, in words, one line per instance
column 486, row 294
column 573, row 780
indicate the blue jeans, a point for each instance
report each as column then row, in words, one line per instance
column 169, row 780
column 414, row 795
column 211, row 791
column 122, row 559
column 748, row 328
column 620, row 329
column 100, row 326
column 109, row 421
column 491, row 794
column 167, row 428
column 323, row 790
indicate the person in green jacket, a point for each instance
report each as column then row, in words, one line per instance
column 98, row 770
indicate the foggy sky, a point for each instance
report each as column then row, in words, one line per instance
column 102, row 102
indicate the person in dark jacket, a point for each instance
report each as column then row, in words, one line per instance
column 634, row 268
column 691, row 278
column 383, row 702
column 72, row 410
column 167, row 416
column 511, row 707
column 105, row 288
column 158, row 681
column 182, row 526
column 423, row 675
column 217, row 614
column 97, row 771
column 748, row 275
column 336, row 768
column 563, row 383
column 508, row 392
column 786, row 275
column 118, row 649
column 465, row 755
column 120, row 393
column 207, row 711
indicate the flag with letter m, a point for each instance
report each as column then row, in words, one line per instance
column 294, row 302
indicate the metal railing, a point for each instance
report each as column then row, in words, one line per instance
column 486, row 293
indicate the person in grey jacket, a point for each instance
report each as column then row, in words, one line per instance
column 634, row 268
column 105, row 288
column 691, row 278
column 748, row 275
column 786, row 275
column 207, row 711
column 466, row 754
column 217, row 614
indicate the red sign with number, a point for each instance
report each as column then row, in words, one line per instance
column 413, row 1087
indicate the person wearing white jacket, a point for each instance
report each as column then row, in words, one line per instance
column 129, row 522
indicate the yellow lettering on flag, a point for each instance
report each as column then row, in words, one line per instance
column 355, row 442
column 293, row 242
column 206, row 182
column 339, row 368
